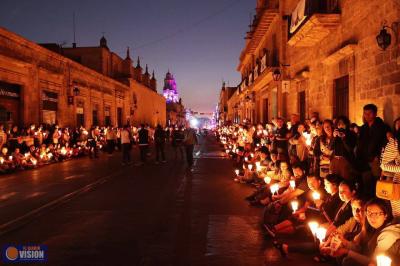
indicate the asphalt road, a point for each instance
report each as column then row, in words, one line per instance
column 155, row 214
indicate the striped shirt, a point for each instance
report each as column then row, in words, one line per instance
column 390, row 164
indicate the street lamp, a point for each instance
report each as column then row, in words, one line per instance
column 276, row 75
column 384, row 38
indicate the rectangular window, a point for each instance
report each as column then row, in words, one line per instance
column 341, row 97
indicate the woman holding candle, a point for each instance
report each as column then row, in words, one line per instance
column 377, row 236
column 347, row 190
column 324, row 148
column 345, row 233
column 299, row 141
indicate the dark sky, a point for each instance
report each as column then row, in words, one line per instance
column 199, row 41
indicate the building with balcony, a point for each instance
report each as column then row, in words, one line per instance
column 305, row 56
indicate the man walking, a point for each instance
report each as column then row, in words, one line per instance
column 159, row 139
column 126, row 145
column 190, row 139
column 143, row 142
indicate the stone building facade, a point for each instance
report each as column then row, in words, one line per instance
column 74, row 86
column 305, row 56
column 225, row 94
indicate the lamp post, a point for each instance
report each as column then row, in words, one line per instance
column 276, row 75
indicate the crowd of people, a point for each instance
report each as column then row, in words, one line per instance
column 334, row 181
column 38, row 145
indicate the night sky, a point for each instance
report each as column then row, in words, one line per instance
column 199, row 41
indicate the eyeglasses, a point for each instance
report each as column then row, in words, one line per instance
column 357, row 210
column 374, row 214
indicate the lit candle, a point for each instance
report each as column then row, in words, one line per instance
column 274, row 188
column 250, row 166
column 313, row 227
column 258, row 164
column 237, row 171
column 295, row 205
column 316, row 195
column 10, row 158
column 383, row 260
column 246, row 159
column 1, row 160
column 292, row 184
column 321, row 233
column 267, row 179
column 308, row 138
column 258, row 144
column 252, row 155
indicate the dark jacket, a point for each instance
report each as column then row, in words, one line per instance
column 343, row 214
column 345, row 147
column 143, row 136
column 159, row 136
column 331, row 205
column 370, row 142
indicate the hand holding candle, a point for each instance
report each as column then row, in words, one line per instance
column 316, row 195
column 313, row 227
column 295, row 205
column 274, row 188
column 321, row 234
column 267, row 179
column 383, row 260
column 292, row 184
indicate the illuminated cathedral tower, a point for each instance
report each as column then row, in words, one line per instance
column 170, row 91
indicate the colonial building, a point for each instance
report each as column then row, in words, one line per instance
column 304, row 56
column 175, row 108
column 224, row 96
column 74, row 86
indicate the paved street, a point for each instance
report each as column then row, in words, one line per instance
column 137, row 215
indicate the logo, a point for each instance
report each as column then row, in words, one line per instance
column 24, row 253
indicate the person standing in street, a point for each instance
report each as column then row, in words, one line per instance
column 190, row 139
column 159, row 140
column 177, row 141
column 126, row 145
column 110, row 137
column 92, row 141
column 143, row 142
